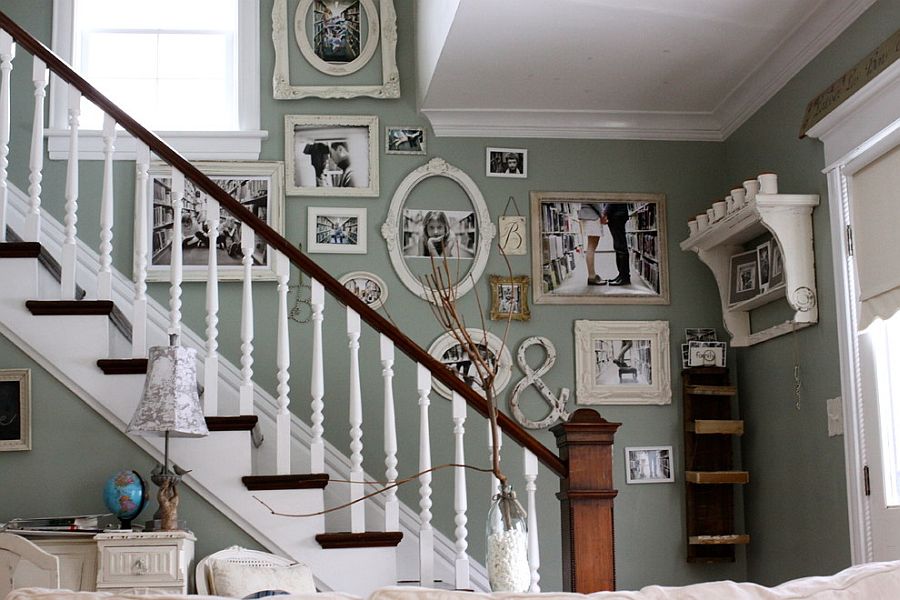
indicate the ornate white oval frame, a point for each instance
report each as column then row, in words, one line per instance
column 337, row 69
column 391, row 229
column 382, row 297
column 494, row 344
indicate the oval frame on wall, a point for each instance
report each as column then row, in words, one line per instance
column 391, row 229
column 337, row 69
column 383, row 290
column 494, row 344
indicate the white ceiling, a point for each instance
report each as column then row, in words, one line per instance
column 622, row 69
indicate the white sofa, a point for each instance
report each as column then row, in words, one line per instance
column 872, row 581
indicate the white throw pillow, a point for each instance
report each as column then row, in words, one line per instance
column 237, row 580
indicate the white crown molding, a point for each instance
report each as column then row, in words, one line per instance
column 583, row 124
column 822, row 27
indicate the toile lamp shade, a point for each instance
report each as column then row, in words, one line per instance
column 170, row 402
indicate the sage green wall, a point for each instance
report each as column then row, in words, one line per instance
column 796, row 500
column 74, row 451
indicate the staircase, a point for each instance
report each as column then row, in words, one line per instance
column 262, row 454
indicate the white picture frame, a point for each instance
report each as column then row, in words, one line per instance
column 392, row 229
column 447, row 350
column 622, row 362
column 331, row 155
column 15, row 410
column 382, row 31
column 649, row 464
column 368, row 287
column 408, row 139
column 256, row 184
column 497, row 162
column 336, row 230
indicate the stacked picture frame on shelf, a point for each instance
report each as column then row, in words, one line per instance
column 755, row 272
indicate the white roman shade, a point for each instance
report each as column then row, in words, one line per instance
column 875, row 208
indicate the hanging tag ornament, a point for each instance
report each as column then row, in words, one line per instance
column 512, row 238
column 532, row 377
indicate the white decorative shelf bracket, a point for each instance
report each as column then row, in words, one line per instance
column 788, row 217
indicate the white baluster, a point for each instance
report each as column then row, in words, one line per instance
column 141, row 210
column 317, row 380
column 69, row 249
column 534, row 553
column 283, row 362
column 358, row 510
column 495, row 483
column 460, row 495
column 426, row 532
column 104, row 276
column 391, row 504
column 246, row 394
column 211, row 365
column 39, row 75
column 7, row 53
column 175, row 267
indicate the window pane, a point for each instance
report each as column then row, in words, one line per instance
column 885, row 336
column 113, row 55
column 187, row 55
column 157, row 15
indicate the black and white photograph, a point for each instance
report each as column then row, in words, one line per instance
column 599, row 248
column 404, row 140
column 331, row 156
column 506, row 162
column 337, row 30
column 336, row 230
column 777, row 274
column 649, row 464
column 256, row 185
column 439, row 233
column 509, row 298
column 368, row 287
column 706, row 354
column 622, row 362
column 744, row 276
column 449, row 351
column 700, row 334
column 15, row 409
column 763, row 257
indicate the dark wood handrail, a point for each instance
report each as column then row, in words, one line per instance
column 278, row 242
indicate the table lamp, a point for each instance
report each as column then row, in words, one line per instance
column 169, row 406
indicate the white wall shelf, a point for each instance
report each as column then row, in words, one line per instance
column 788, row 217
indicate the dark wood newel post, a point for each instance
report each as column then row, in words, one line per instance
column 586, row 496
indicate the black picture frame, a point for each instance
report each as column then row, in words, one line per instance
column 744, row 279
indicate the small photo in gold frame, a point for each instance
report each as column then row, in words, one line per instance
column 509, row 298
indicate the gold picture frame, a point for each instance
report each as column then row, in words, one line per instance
column 509, row 298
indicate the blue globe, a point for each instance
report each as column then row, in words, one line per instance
column 125, row 495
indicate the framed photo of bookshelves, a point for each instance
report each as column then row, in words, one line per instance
column 565, row 226
column 258, row 185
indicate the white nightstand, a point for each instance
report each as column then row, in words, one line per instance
column 157, row 562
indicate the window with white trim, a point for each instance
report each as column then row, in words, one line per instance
column 186, row 69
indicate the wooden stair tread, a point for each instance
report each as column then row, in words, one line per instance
column 717, row 476
column 20, row 250
column 235, row 423
column 305, row 481
column 367, row 539
column 123, row 366
column 70, row 307
column 711, row 390
column 716, row 426
column 734, row 538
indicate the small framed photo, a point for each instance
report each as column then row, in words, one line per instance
column 707, row 354
column 764, row 258
column 336, row 230
column 449, row 351
column 404, row 140
column 700, row 334
column 622, row 362
column 506, row 162
column 744, row 277
column 368, row 287
column 509, row 298
column 649, row 464
column 331, row 155
column 776, row 277
column 15, row 409
column 685, row 355
column 258, row 185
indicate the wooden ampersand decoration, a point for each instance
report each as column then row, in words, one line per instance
column 532, row 377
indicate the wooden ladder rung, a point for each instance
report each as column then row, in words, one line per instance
column 734, row 538
column 711, row 390
column 713, row 426
column 717, row 476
